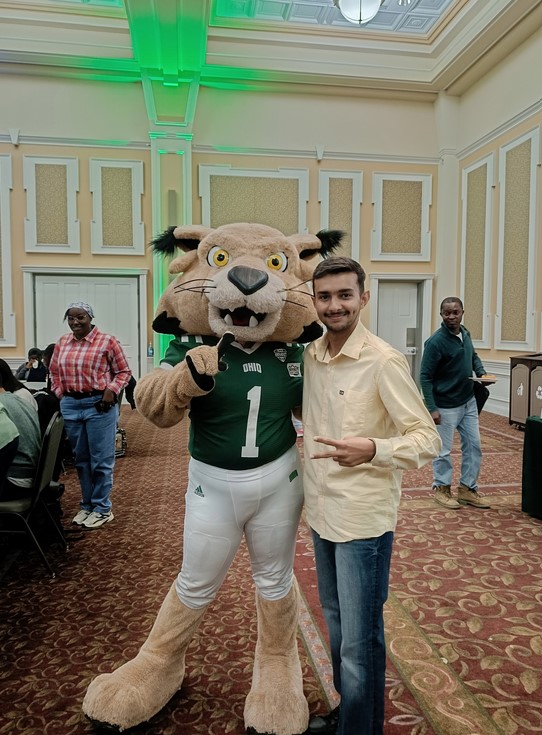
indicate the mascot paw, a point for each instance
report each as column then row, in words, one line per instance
column 114, row 702
column 203, row 365
column 278, row 710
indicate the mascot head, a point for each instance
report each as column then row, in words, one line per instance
column 248, row 279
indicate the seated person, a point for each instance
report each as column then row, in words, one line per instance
column 47, row 355
column 33, row 370
column 9, row 441
column 20, row 473
column 11, row 384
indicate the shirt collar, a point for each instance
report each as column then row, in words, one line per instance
column 351, row 348
column 462, row 329
column 90, row 337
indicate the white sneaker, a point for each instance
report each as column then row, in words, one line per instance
column 95, row 520
column 81, row 517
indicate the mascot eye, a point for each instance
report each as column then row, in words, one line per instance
column 277, row 262
column 218, row 257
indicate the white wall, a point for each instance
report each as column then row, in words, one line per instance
column 512, row 87
column 65, row 108
column 300, row 122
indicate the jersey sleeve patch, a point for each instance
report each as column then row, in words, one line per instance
column 294, row 369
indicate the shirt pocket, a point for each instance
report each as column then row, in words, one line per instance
column 358, row 412
column 102, row 366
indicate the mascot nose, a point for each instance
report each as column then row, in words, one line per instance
column 247, row 280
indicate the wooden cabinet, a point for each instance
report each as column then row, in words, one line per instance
column 525, row 388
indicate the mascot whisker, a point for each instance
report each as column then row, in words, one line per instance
column 251, row 313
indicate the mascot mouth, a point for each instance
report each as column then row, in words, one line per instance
column 241, row 317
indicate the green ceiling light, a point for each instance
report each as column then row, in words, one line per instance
column 358, row 11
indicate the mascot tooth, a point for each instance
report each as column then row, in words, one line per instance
column 250, row 281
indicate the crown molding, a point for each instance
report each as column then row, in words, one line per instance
column 329, row 155
column 77, row 142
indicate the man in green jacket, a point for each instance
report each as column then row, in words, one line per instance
column 448, row 363
column 21, row 471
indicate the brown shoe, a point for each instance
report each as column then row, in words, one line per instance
column 466, row 496
column 443, row 496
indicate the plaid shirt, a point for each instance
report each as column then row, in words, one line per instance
column 95, row 362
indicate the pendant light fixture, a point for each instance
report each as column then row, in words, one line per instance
column 358, row 11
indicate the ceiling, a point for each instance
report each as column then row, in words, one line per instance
column 174, row 47
column 418, row 18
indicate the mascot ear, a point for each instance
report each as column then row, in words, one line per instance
column 323, row 243
column 185, row 237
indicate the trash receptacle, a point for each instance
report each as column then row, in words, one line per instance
column 531, row 480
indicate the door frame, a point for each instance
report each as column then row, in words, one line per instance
column 424, row 282
column 29, row 296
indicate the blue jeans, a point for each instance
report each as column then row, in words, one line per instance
column 353, row 587
column 465, row 419
column 92, row 439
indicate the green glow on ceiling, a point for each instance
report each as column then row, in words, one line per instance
column 153, row 135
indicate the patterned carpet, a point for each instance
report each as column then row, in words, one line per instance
column 464, row 618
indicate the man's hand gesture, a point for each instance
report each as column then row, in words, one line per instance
column 347, row 452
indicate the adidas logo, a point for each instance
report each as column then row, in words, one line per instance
column 199, row 491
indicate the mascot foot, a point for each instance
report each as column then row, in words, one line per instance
column 276, row 704
column 140, row 688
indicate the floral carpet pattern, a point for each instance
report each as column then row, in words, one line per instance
column 463, row 620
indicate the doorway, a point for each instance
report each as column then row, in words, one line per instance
column 118, row 297
column 401, row 313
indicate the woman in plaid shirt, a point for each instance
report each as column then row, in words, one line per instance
column 88, row 371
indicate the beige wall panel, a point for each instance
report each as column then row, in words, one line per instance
column 51, row 204
column 475, row 250
column 1, row 281
column 313, row 210
column 272, row 202
column 401, row 216
column 117, row 216
column 516, row 242
column 84, row 212
column 340, row 212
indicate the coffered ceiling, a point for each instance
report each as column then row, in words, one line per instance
column 174, row 47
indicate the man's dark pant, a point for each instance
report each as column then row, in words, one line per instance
column 353, row 587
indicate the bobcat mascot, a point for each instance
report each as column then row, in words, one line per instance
column 238, row 310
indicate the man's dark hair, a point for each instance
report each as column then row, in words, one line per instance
column 48, row 351
column 9, row 381
column 35, row 352
column 339, row 264
column 451, row 300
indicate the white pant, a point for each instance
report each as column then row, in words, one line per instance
column 263, row 503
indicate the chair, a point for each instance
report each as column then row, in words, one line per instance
column 22, row 509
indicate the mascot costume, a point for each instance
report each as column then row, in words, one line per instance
column 238, row 310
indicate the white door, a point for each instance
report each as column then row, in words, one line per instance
column 399, row 320
column 115, row 300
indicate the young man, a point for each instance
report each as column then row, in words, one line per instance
column 448, row 362
column 364, row 422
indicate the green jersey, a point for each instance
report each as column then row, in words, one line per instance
column 245, row 421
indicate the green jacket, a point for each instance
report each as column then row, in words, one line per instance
column 25, row 419
column 8, row 430
column 447, row 364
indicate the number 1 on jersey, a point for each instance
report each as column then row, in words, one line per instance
column 250, row 449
